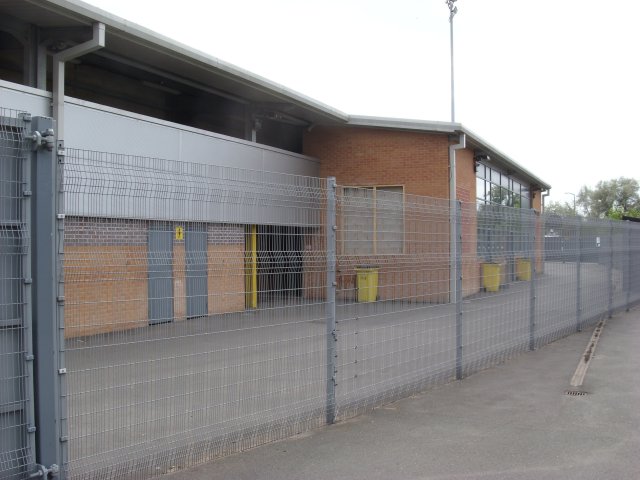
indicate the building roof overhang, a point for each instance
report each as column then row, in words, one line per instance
column 128, row 43
column 136, row 45
column 474, row 142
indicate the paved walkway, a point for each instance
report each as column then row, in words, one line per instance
column 514, row 421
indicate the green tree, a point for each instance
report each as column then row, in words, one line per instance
column 610, row 198
column 560, row 208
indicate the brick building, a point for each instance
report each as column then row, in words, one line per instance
column 134, row 93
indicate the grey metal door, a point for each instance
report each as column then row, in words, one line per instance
column 15, row 446
column 197, row 270
column 160, row 258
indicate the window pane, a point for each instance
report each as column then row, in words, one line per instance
column 389, row 220
column 480, row 188
column 357, row 221
column 505, row 181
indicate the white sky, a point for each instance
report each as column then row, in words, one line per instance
column 554, row 84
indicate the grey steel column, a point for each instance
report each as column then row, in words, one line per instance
column 578, row 274
column 610, row 270
column 532, row 286
column 458, row 297
column 27, row 192
column 47, row 321
column 627, row 279
column 330, row 312
column 59, row 241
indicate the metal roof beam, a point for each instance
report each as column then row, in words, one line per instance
column 170, row 76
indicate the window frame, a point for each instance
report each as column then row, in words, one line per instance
column 374, row 210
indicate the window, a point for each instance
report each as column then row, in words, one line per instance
column 496, row 188
column 499, row 229
column 372, row 220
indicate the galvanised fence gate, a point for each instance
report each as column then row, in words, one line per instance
column 207, row 310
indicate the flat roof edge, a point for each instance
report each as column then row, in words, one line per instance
column 444, row 127
column 404, row 124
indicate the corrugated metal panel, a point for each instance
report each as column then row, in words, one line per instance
column 126, row 186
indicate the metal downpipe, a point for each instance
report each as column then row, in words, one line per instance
column 453, row 241
column 59, row 59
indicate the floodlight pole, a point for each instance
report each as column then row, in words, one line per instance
column 452, row 12
column 574, row 201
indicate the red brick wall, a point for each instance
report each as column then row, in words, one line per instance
column 106, row 274
column 466, row 193
column 368, row 156
column 418, row 161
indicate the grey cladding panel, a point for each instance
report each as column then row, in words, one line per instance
column 14, row 97
column 278, row 162
column 91, row 129
column 216, row 151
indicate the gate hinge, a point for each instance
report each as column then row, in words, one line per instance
column 44, row 140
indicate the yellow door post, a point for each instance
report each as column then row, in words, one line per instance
column 251, row 268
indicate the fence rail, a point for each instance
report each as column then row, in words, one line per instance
column 209, row 310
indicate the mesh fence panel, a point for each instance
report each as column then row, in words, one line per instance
column 189, row 336
column 16, row 452
column 496, row 302
column 396, row 327
column 200, row 302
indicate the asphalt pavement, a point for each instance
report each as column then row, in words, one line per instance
column 512, row 421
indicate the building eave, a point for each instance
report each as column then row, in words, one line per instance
column 473, row 141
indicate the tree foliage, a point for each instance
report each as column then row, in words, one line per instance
column 611, row 198
column 559, row 208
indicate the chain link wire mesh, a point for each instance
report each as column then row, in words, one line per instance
column 198, row 300
column 16, row 451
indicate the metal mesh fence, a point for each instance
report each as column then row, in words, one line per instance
column 188, row 335
column 211, row 309
column 396, row 326
column 16, row 414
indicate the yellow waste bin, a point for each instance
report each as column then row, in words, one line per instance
column 523, row 269
column 367, row 283
column 491, row 277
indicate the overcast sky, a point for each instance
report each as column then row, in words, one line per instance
column 554, row 84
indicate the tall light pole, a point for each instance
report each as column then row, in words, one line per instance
column 574, row 201
column 452, row 12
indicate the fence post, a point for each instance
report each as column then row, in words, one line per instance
column 48, row 300
column 610, row 270
column 332, row 335
column 578, row 271
column 458, row 292
column 627, row 265
column 27, row 289
column 532, row 286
